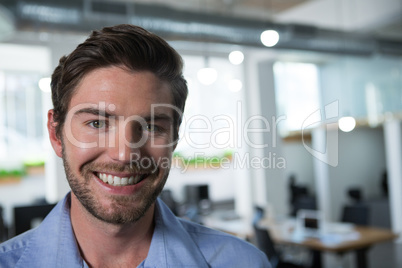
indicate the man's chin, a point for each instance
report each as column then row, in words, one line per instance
column 115, row 212
column 118, row 209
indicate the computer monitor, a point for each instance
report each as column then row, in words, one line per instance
column 198, row 196
column 309, row 222
column 196, row 193
column 28, row 217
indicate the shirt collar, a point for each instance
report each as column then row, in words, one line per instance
column 172, row 245
column 53, row 241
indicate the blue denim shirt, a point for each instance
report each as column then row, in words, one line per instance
column 175, row 243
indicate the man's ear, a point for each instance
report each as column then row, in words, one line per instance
column 54, row 139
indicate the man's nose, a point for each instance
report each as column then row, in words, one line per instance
column 128, row 141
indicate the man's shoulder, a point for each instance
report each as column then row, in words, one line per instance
column 224, row 248
column 40, row 246
column 201, row 246
column 12, row 250
column 206, row 236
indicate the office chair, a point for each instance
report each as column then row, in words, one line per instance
column 356, row 213
column 355, row 194
column 24, row 216
column 300, row 198
column 304, row 202
column 266, row 245
column 258, row 214
column 167, row 197
column 3, row 229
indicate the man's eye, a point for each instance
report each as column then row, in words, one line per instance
column 97, row 124
column 152, row 128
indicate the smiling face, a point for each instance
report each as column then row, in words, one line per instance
column 117, row 142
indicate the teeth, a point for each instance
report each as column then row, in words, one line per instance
column 117, row 181
column 110, row 179
column 137, row 179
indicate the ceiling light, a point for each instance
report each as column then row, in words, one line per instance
column 269, row 38
column 44, row 84
column 207, row 76
column 347, row 124
column 236, row 57
column 235, row 85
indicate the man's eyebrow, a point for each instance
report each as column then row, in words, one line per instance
column 158, row 117
column 94, row 111
column 98, row 112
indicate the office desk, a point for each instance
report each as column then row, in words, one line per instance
column 359, row 239
column 226, row 221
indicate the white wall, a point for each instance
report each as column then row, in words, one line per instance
column 361, row 164
column 23, row 58
column 299, row 163
column 362, row 151
column 393, row 145
column 275, row 187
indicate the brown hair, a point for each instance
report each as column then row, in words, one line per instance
column 122, row 45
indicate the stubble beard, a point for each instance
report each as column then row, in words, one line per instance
column 123, row 209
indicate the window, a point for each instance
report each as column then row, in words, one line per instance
column 297, row 93
column 21, row 116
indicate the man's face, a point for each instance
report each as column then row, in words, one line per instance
column 116, row 144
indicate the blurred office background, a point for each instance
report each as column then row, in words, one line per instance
column 264, row 118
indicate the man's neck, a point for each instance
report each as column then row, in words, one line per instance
column 103, row 244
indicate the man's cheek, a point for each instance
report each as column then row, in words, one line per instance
column 165, row 163
column 79, row 155
column 82, row 138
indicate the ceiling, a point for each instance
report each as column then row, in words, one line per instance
column 262, row 9
column 380, row 18
column 359, row 27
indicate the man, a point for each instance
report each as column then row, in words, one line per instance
column 118, row 99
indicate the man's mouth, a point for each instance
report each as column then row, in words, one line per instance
column 120, row 181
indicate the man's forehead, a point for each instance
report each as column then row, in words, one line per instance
column 120, row 88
